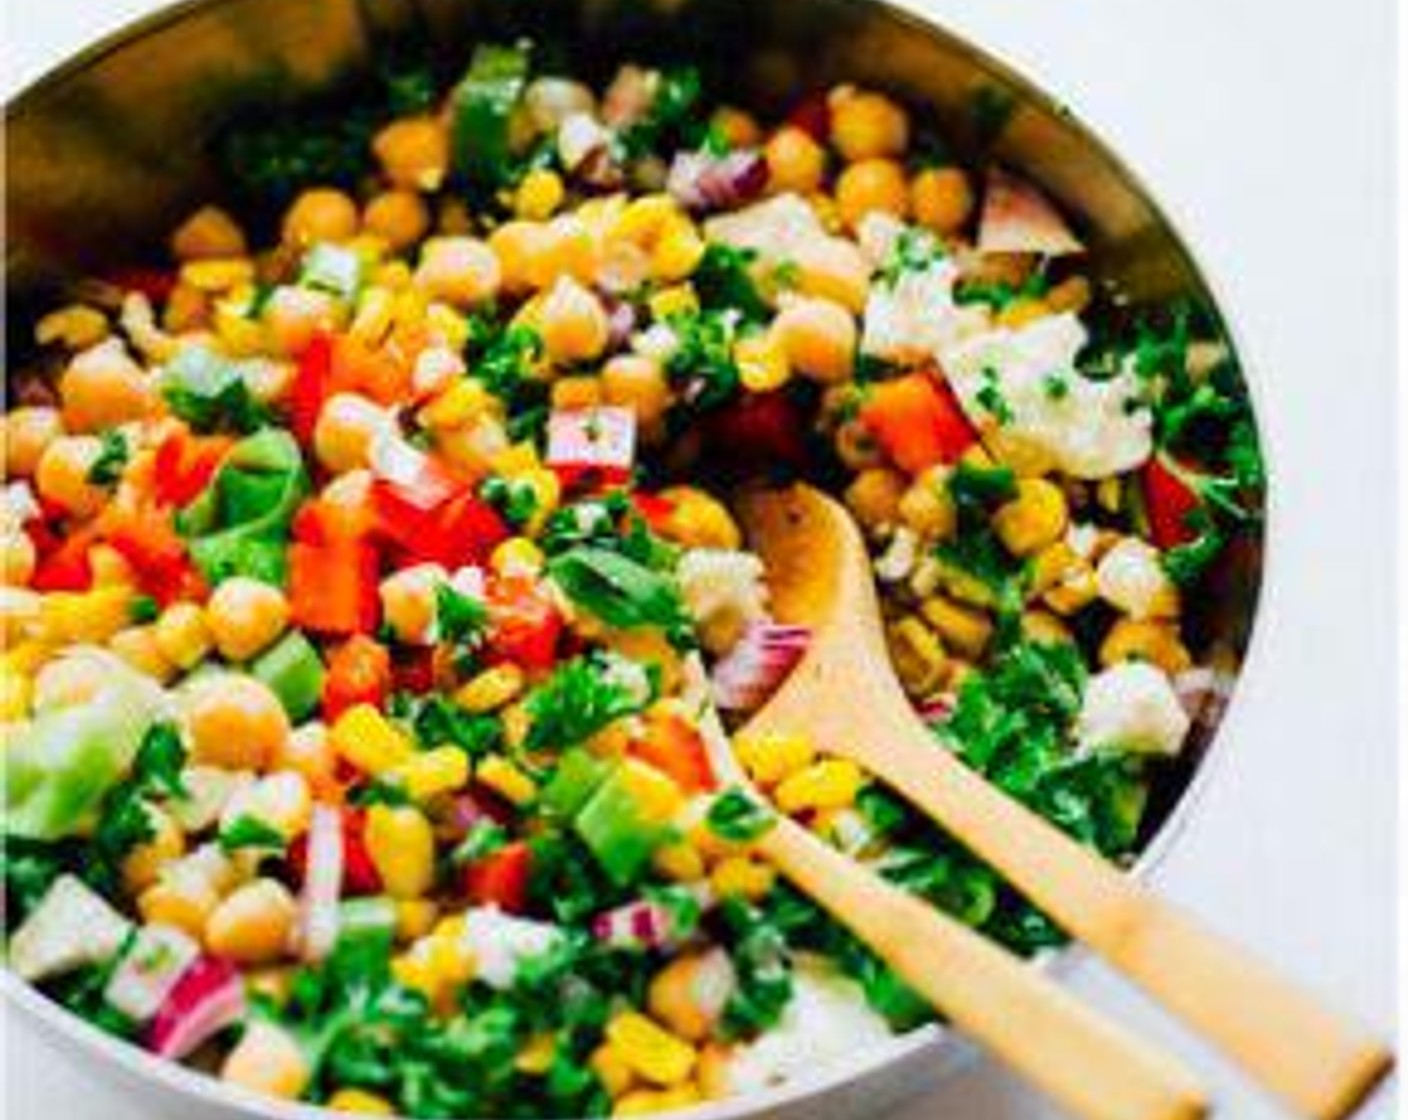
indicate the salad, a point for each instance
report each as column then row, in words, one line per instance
column 371, row 588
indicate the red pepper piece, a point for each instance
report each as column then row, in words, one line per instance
column 675, row 748
column 359, row 873
column 65, row 566
column 332, row 587
column 1169, row 502
column 501, row 878
column 758, row 430
column 525, row 624
column 359, row 672
column 917, row 421
column 185, row 465
column 312, row 386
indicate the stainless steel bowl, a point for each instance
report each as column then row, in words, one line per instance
column 107, row 151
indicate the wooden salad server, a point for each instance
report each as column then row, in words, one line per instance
column 844, row 694
column 1092, row 1067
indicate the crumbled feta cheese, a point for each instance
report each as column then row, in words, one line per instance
column 915, row 317
column 826, row 1021
column 1131, row 706
column 1052, row 416
column 1131, row 578
column 72, row 926
column 774, row 228
column 719, row 582
column 501, row 942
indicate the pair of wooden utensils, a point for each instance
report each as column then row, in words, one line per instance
column 844, row 695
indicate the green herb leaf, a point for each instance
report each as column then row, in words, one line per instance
column 738, row 817
column 583, row 696
column 250, row 832
column 462, row 618
column 480, row 109
column 107, row 468
column 210, row 392
column 620, row 591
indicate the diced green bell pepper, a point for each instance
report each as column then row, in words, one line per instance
column 620, row 835
column 578, row 774
column 365, row 923
column 293, row 670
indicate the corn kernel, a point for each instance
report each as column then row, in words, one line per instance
column 771, row 756
column 365, row 738
column 681, row 862
column 644, row 1102
column 267, row 1059
column 1155, row 642
column 433, row 772
column 373, row 320
column 1022, row 311
column 762, row 363
column 506, row 779
column 1034, row 519
column 698, row 520
column 678, row 251
column 535, row 1059
column 452, row 326
column 517, row 556
column 401, row 845
column 644, row 219
column 652, row 1052
column 918, row 655
column 962, row 628
column 611, row 1069
column 85, row 617
column 137, row 646
column 741, row 877
column 360, row 1101
column 678, row 299
column 657, row 797
column 581, row 391
column 217, row 275
column 516, row 461
column 182, row 635
column 491, row 689
column 16, row 694
column 415, row 917
column 829, row 784
column 463, row 402
column 539, row 195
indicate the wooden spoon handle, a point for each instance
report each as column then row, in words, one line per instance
column 1318, row 1062
column 1089, row 1065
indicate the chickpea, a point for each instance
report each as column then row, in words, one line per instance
column 236, row 722
column 796, row 162
column 208, row 234
column 573, row 323
column 27, row 432
column 637, row 382
column 61, row 477
column 871, row 184
column 835, row 268
column 294, row 315
column 408, row 601
column 75, row 678
column 867, row 125
column 463, row 271
column 143, row 864
column 515, row 243
column 103, row 387
column 400, row 218
column 414, row 152
column 347, row 428
column 254, row 925
column 562, row 247
column 245, row 615
column 17, row 557
column 320, row 214
column 819, row 338
column 941, row 199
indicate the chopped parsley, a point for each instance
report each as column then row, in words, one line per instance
column 112, row 459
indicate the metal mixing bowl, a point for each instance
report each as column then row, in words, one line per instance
column 110, row 149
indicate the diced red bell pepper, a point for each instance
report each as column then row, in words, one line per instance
column 431, row 515
column 154, row 283
column 501, row 878
column 917, row 421
column 312, row 386
column 332, row 587
column 358, row 672
column 675, row 748
column 64, row 566
column 359, row 873
column 525, row 624
column 758, row 430
column 655, row 508
column 148, row 541
column 414, row 670
column 185, row 465
column 1169, row 502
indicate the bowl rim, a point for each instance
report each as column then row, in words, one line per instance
column 954, row 1051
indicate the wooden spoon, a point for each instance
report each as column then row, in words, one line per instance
column 845, row 696
column 1092, row 1067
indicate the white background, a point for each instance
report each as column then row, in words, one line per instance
column 1266, row 129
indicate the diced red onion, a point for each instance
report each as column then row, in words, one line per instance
column 644, row 924
column 753, row 670
column 602, row 437
column 702, row 182
column 207, row 998
column 935, row 710
column 322, row 884
column 1204, row 693
column 620, row 324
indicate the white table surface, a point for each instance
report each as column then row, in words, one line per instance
column 1266, row 128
